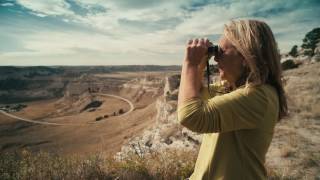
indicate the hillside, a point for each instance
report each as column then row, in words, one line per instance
column 294, row 151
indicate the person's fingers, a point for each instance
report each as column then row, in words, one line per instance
column 196, row 51
column 190, row 41
column 195, row 41
column 207, row 42
column 201, row 42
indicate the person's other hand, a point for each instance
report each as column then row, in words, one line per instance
column 196, row 51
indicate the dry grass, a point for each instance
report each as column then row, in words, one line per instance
column 167, row 165
column 294, row 151
column 303, row 90
column 157, row 165
column 287, row 152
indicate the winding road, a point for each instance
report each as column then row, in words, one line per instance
column 70, row 124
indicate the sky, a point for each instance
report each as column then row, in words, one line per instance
column 135, row 32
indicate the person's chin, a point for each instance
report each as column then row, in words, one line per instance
column 223, row 77
column 221, row 74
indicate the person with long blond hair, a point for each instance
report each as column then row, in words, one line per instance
column 237, row 115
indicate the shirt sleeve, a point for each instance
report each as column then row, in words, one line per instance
column 239, row 109
column 215, row 89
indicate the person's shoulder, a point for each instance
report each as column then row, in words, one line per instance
column 261, row 91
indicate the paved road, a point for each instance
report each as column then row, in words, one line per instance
column 70, row 124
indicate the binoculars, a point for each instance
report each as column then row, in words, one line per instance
column 214, row 50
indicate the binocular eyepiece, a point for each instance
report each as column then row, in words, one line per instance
column 214, row 50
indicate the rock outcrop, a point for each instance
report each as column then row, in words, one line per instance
column 316, row 56
column 167, row 132
column 142, row 90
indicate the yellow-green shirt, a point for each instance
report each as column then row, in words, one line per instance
column 238, row 128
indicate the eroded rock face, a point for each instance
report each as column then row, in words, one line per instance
column 171, row 83
column 171, row 87
column 140, row 88
column 167, row 132
column 316, row 56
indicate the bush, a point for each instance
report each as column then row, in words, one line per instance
column 121, row 111
column 99, row 118
column 289, row 64
column 294, row 51
column 308, row 52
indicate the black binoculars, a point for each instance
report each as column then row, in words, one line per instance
column 214, row 50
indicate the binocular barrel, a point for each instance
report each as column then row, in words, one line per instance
column 214, row 50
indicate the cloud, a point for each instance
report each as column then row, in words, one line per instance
column 146, row 29
column 7, row 4
column 54, row 7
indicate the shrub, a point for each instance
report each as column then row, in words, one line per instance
column 99, row 118
column 121, row 111
column 294, row 51
column 308, row 52
column 289, row 64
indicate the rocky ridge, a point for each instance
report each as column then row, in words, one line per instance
column 167, row 132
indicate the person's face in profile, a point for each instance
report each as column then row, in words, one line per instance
column 229, row 61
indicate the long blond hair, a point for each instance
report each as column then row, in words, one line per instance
column 254, row 40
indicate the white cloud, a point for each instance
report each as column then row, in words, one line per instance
column 6, row 4
column 54, row 7
column 114, row 39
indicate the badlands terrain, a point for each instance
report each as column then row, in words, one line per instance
column 77, row 110
column 117, row 112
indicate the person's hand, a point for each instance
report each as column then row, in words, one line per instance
column 196, row 51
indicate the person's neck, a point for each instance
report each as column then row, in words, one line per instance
column 230, row 86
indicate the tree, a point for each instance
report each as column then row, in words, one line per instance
column 294, row 51
column 311, row 39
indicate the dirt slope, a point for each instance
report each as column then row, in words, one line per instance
column 294, row 151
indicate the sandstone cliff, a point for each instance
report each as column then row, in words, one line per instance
column 166, row 132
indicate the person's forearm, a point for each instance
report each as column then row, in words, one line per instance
column 191, row 73
column 190, row 82
column 201, row 71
